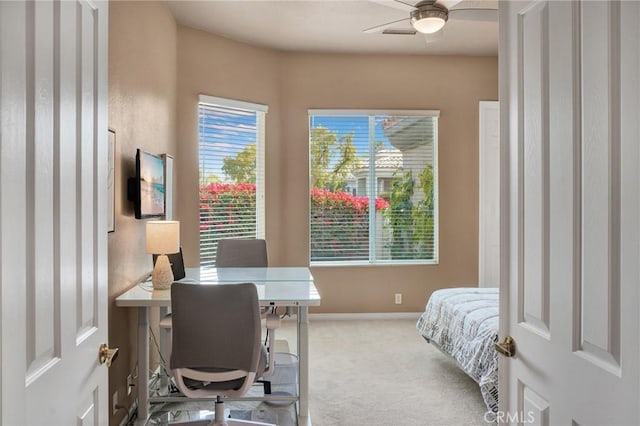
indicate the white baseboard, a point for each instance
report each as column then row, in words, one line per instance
column 367, row 316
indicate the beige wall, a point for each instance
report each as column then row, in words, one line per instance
column 453, row 85
column 291, row 83
column 219, row 67
column 142, row 96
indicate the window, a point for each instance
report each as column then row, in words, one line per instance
column 374, row 187
column 231, row 163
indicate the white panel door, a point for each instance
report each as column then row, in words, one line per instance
column 489, row 195
column 53, row 255
column 570, row 137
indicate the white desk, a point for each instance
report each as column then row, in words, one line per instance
column 276, row 287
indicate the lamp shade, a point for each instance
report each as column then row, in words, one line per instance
column 163, row 236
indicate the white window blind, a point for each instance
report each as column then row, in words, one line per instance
column 374, row 186
column 231, row 163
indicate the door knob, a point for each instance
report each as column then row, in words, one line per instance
column 507, row 347
column 106, row 355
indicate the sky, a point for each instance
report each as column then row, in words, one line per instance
column 343, row 125
column 229, row 133
column 225, row 134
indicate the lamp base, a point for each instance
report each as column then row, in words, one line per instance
column 162, row 276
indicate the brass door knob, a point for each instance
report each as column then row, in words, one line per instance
column 106, row 355
column 507, row 347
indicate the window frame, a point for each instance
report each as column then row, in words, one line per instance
column 372, row 114
column 261, row 111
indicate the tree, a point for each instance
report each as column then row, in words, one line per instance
column 422, row 214
column 328, row 172
column 210, row 178
column 412, row 224
column 242, row 167
column 399, row 216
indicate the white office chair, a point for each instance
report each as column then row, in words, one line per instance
column 231, row 253
column 216, row 342
column 242, row 253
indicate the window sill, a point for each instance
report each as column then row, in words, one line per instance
column 328, row 264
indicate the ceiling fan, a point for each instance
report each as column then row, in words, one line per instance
column 430, row 16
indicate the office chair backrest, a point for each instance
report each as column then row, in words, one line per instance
column 215, row 326
column 236, row 253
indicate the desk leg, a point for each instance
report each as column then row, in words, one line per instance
column 164, row 378
column 303, row 359
column 143, row 365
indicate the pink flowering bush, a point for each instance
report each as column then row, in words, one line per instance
column 225, row 203
column 340, row 225
column 227, row 210
column 339, row 220
column 323, row 198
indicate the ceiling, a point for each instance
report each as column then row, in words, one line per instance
column 335, row 26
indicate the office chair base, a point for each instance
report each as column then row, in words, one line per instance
column 220, row 420
column 234, row 422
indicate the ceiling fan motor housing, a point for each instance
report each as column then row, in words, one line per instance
column 429, row 9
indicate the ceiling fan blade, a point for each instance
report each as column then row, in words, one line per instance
column 399, row 31
column 381, row 28
column 396, row 4
column 487, row 15
column 448, row 3
column 407, row 4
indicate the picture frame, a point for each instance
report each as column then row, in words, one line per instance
column 168, row 185
column 111, row 188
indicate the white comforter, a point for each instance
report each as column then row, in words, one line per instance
column 463, row 322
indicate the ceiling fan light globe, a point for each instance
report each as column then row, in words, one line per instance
column 428, row 25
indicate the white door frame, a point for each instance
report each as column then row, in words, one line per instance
column 489, row 195
column 505, row 200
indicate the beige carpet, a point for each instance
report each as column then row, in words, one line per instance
column 381, row 372
column 363, row 373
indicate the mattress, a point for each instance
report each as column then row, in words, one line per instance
column 463, row 323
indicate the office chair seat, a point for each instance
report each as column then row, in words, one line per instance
column 230, row 384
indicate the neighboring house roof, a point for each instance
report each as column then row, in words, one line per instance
column 386, row 159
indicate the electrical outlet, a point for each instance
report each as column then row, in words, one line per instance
column 130, row 384
column 398, row 298
column 114, row 402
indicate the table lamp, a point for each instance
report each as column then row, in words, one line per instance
column 163, row 237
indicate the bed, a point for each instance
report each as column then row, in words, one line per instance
column 463, row 323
